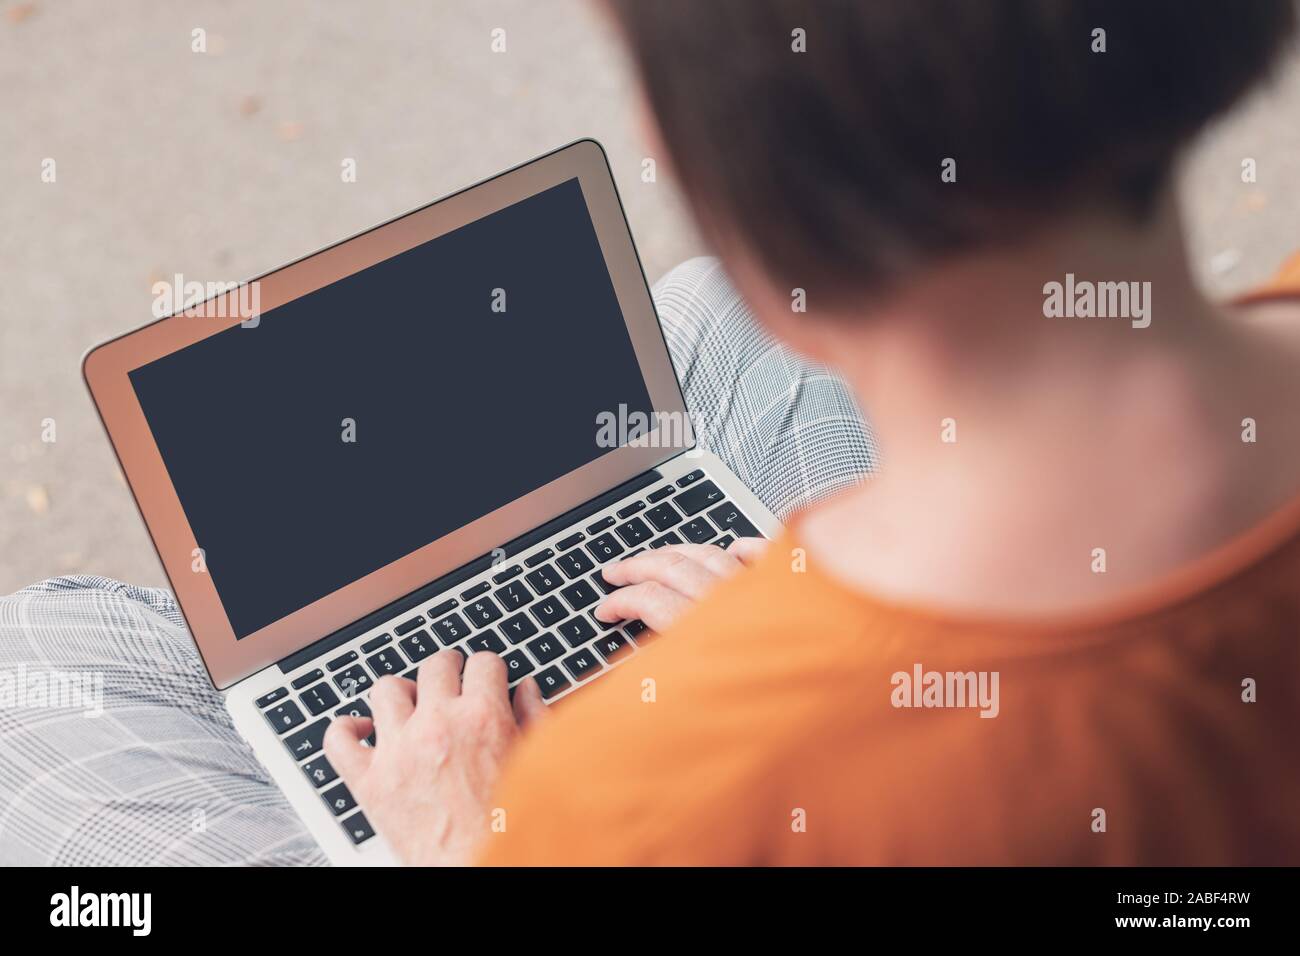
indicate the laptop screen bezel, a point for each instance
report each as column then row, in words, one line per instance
column 107, row 366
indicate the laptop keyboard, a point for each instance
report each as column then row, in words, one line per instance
column 537, row 614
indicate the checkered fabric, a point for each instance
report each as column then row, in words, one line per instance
column 161, row 777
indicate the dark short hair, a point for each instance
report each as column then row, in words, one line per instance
column 826, row 164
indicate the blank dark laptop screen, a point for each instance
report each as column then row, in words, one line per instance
column 458, row 408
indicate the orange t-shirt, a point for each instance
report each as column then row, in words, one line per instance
column 767, row 728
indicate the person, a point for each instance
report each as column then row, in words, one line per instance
column 1060, row 625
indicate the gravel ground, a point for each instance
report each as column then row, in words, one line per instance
column 219, row 165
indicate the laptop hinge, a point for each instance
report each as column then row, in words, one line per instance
column 466, row 571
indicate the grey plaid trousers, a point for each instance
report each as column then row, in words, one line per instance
column 160, row 777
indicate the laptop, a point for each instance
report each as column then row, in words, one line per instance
column 425, row 439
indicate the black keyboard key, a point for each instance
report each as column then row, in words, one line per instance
column 518, row 666
column 545, row 648
column 339, row 799
column 501, row 577
column 375, row 643
column 638, row 631
column 513, row 596
column 470, row 593
column 663, row 517
column 319, row 772
column 285, row 717
column 582, row 664
column 418, row 646
column 604, row 548
column 697, row 531
column 441, row 609
column 544, row 580
column 356, row 708
column 482, row 612
column 579, row 594
column 412, row 674
column 406, row 627
column 451, row 629
column 280, row 693
column 319, row 699
column 630, row 510
column 659, row 494
column 533, row 560
column 343, row 660
column 670, row 538
column 307, row 741
column 358, row 828
column 487, row 641
column 574, row 563
column 634, row 532
column 696, row 499
column 386, row 662
column 353, row 681
column 517, row 628
column 549, row 611
column 601, row 525
column 300, row 682
column 552, row 681
column 728, row 518
column 576, row 631
column 564, row 544
column 690, row 479
column 724, row 542
column 613, row 648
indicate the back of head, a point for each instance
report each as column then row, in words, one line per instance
column 846, row 144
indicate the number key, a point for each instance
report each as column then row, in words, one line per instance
column 451, row 629
column 513, row 596
column 544, row 580
column 319, row 699
column 386, row 661
column 604, row 548
column 574, row 563
column 418, row 646
column 482, row 612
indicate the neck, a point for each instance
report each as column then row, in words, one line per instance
column 973, row 344
column 1015, row 443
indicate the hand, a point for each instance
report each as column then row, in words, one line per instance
column 657, row 586
column 427, row 782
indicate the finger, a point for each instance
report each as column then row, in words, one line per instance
column 343, row 746
column 440, row 676
column 393, row 703
column 528, row 705
column 653, row 603
column 720, row 562
column 485, row 678
column 673, row 569
column 748, row 550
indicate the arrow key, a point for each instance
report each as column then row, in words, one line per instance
column 319, row 772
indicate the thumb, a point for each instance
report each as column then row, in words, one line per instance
column 528, row 704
